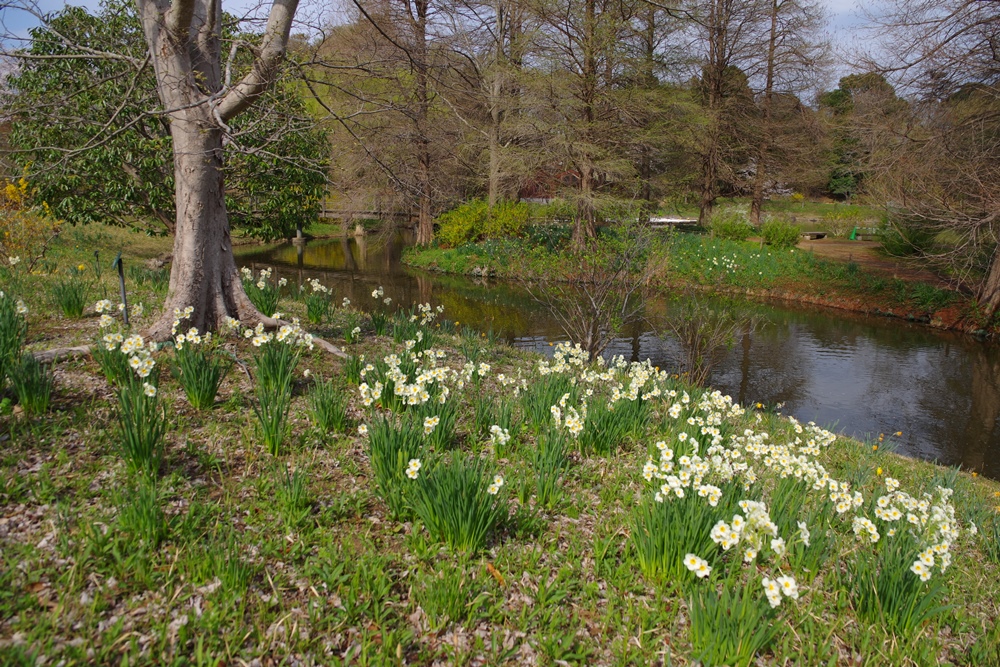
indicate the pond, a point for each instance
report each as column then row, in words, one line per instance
column 859, row 375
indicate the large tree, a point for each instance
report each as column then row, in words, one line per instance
column 939, row 165
column 200, row 97
column 82, row 131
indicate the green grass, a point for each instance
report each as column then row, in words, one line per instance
column 298, row 558
column 716, row 264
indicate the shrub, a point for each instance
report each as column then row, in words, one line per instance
column 731, row 223
column 462, row 224
column 508, row 219
column 779, row 233
column 474, row 221
column 901, row 237
column 458, row 502
column 25, row 228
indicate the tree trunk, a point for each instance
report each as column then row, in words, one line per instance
column 585, row 227
column 989, row 293
column 708, row 174
column 184, row 38
column 760, row 175
column 204, row 273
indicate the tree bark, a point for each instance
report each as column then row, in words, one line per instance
column 184, row 39
column 989, row 294
column 585, row 227
column 425, row 221
column 760, row 175
column 204, row 273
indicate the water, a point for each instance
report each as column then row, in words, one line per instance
column 860, row 375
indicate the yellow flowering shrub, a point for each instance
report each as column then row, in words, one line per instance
column 25, row 228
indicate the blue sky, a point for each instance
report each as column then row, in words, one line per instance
column 842, row 13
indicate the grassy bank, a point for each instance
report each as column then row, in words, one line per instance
column 729, row 267
column 351, row 538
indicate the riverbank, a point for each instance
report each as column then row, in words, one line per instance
column 803, row 274
column 314, row 552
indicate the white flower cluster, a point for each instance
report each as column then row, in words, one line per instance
column 931, row 521
column 429, row 379
column 264, row 276
column 699, row 566
column 318, row 287
column 775, row 588
column 140, row 357
column 413, row 468
column 179, row 315
column 289, row 334
column 573, row 421
column 499, row 436
column 379, row 293
column 565, row 360
column 494, row 488
column 192, row 337
column 107, row 310
column 427, row 314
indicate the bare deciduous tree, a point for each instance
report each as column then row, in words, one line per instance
column 938, row 164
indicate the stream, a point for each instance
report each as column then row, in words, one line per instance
column 858, row 375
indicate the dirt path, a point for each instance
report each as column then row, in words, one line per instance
column 865, row 254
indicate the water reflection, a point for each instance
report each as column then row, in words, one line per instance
column 862, row 375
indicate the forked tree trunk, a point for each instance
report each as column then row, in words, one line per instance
column 184, row 38
column 204, row 273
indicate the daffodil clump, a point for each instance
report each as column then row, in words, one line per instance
column 317, row 300
column 457, row 501
column 198, row 364
column 262, row 291
column 142, row 419
column 13, row 333
column 276, row 356
column 122, row 356
column 380, row 314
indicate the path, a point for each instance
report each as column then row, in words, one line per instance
column 865, row 254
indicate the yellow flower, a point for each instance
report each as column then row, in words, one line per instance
column 875, row 448
column 81, row 267
column 975, row 474
column 878, row 471
column 899, row 433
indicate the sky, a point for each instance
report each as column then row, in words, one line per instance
column 842, row 13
